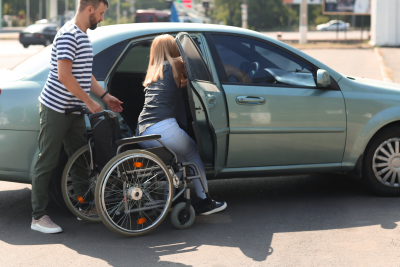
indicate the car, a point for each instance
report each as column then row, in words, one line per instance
column 38, row 34
column 334, row 25
column 59, row 19
column 258, row 107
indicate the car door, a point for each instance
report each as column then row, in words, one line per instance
column 207, row 104
column 277, row 115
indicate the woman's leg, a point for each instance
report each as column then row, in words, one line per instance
column 183, row 146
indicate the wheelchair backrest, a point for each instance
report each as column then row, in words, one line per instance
column 106, row 132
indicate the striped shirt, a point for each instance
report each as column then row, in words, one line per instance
column 72, row 44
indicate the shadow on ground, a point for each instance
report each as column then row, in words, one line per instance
column 257, row 209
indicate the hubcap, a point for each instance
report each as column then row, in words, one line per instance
column 386, row 163
column 135, row 193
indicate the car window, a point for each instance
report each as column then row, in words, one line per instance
column 195, row 60
column 34, row 28
column 161, row 18
column 248, row 60
column 103, row 61
column 136, row 60
column 144, row 18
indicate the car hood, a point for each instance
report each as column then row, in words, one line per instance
column 376, row 83
column 7, row 75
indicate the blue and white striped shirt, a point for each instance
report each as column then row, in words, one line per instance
column 72, row 44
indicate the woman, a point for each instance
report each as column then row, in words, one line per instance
column 164, row 112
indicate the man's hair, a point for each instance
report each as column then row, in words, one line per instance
column 94, row 3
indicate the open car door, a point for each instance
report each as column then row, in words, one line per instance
column 207, row 104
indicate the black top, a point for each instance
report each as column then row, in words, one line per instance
column 163, row 100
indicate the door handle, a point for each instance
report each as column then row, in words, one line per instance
column 250, row 100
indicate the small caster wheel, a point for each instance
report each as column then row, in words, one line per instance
column 178, row 218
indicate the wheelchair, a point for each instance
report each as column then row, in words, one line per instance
column 131, row 190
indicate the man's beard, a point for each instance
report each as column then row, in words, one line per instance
column 93, row 22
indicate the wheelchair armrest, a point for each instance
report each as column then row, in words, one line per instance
column 137, row 139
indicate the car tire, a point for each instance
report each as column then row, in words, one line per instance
column 25, row 45
column 54, row 188
column 380, row 181
column 47, row 43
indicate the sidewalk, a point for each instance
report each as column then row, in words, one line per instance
column 10, row 33
column 391, row 58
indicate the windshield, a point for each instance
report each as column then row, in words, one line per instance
column 33, row 63
column 34, row 28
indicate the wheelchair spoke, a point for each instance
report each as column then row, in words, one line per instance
column 141, row 185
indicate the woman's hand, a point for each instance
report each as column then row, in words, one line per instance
column 113, row 103
column 184, row 83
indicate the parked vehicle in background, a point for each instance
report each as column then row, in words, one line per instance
column 38, row 34
column 334, row 25
column 152, row 16
column 59, row 20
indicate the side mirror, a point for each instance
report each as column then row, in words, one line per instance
column 323, row 78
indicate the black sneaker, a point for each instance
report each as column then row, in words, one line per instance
column 213, row 208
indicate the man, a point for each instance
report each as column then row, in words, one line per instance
column 69, row 83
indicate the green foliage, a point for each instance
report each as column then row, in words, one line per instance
column 228, row 11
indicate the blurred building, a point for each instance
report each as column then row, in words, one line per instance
column 385, row 22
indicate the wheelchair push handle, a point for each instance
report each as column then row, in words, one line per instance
column 98, row 114
column 83, row 110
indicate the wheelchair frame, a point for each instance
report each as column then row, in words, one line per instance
column 169, row 158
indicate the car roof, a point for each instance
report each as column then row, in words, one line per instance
column 38, row 27
column 117, row 33
column 107, row 36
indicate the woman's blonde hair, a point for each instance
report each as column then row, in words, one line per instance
column 163, row 48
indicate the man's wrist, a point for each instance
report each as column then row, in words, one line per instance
column 105, row 94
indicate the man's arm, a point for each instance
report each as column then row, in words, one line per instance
column 69, row 81
column 112, row 102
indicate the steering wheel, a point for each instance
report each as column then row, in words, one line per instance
column 253, row 69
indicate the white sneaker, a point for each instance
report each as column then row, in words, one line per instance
column 45, row 225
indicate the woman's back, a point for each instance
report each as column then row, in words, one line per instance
column 163, row 100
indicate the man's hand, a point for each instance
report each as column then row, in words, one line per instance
column 93, row 106
column 113, row 103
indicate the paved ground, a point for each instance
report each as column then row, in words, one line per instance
column 318, row 220
column 12, row 52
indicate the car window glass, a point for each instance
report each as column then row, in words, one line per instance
column 144, row 18
column 196, row 62
column 251, row 61
column 102, row 61
column 34, row 28
column 162, row 18
column 136, row 60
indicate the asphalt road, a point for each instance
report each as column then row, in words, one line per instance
column 317, row 220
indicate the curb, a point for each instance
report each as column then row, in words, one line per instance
column 386, row 72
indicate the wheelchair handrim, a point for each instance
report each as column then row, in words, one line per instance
column 108, row 175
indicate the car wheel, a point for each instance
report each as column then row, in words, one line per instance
column 381, row 166
column 47, row 43
column 26, row 45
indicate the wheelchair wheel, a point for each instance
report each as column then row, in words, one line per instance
column 178, row 218
column 78, row 185
column 134, row 193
